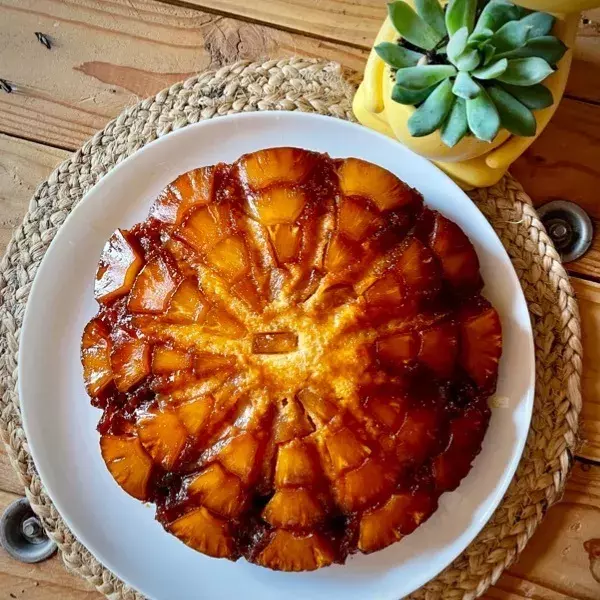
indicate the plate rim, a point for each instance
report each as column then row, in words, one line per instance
column 26, row 335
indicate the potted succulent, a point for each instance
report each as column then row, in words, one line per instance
column 468, row 84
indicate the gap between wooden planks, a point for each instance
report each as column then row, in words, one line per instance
column 355, row 23
column 111, row 55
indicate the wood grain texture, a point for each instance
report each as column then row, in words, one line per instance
column 353, row 22
column 47, row 580
column 356, row 22
column 109, row 55
column 588, row 296
column 23, row 166
column 555, row 565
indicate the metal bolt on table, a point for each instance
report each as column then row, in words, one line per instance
column 22, row 534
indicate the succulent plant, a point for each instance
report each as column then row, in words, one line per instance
column 471, row 67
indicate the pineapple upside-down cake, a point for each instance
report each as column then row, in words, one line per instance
column 292, row 357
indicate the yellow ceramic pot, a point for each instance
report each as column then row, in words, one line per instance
column 472, row 162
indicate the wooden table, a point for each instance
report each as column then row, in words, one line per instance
column 108, row 55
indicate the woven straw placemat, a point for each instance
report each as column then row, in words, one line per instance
column 313, row 86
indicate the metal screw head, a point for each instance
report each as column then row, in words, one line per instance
column 22, row 535
column 569, row 227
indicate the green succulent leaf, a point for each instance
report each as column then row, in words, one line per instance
column 491, row 71
column 464, row 86
column 411, row 97
column 489, row 53
column 431, row 12
column 460, row 13
column 534, row 97
column 540, row 23
column 456, row 126
column 526, row 71
column 468, row 60
column 478, row 38
column 419, row 78
column 412, row 27
column 457, row 44
column 432, row 113
column 483, row 117
column 495, row 14
column 397, row 56
column 514, row 115
column 548, row 47
column 511, row 35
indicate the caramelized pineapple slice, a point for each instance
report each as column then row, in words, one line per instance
column 341, row 253
column 356, row 218
column 207, row 364
column 187, row 304
column 204, row 227
column 296, row 464
column 293, row 509
column 246, row 290
column 218, row 490
column 163, row 436
column 397, row 349
column 390, row 411
column 119, row 265
column 193, row 188
column 387, row 291
column 481, row 346
column 167, row 360
column 276, row 165
column 278, row 205
column 153, row 288
column 195, row 414
column 130, row 361
column 420, row 436
column 291, row 422
column 204, row 532
column 399, row 516
column 360, row 178
column 466, row 436
column 274, row 342
column 220, row 322
column 128, row 463
column 286, row 241
column 345, row 450
column 319, row 408
column 95, row 357
column 460, row 264
column 239, row 456
column 361, row 487
column 229, row 258
column 418, row 267
column 439, row 349
column 289, row 552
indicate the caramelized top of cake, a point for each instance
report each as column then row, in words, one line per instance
column 292, row 357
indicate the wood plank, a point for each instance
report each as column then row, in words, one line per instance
column 354, row 22
column 588, row 295
column 48, row 580
column 555, row 565
column 357, row 22
column 9, row 480
column 110, row 55
column 23, row 166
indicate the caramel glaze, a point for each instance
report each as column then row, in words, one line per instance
column 424, row 445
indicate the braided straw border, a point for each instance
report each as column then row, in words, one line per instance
column 313, row 86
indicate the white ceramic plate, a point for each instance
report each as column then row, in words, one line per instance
column 61, row 425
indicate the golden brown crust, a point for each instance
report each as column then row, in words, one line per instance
column 292, row 357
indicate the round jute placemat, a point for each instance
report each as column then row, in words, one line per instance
column 313, row 86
